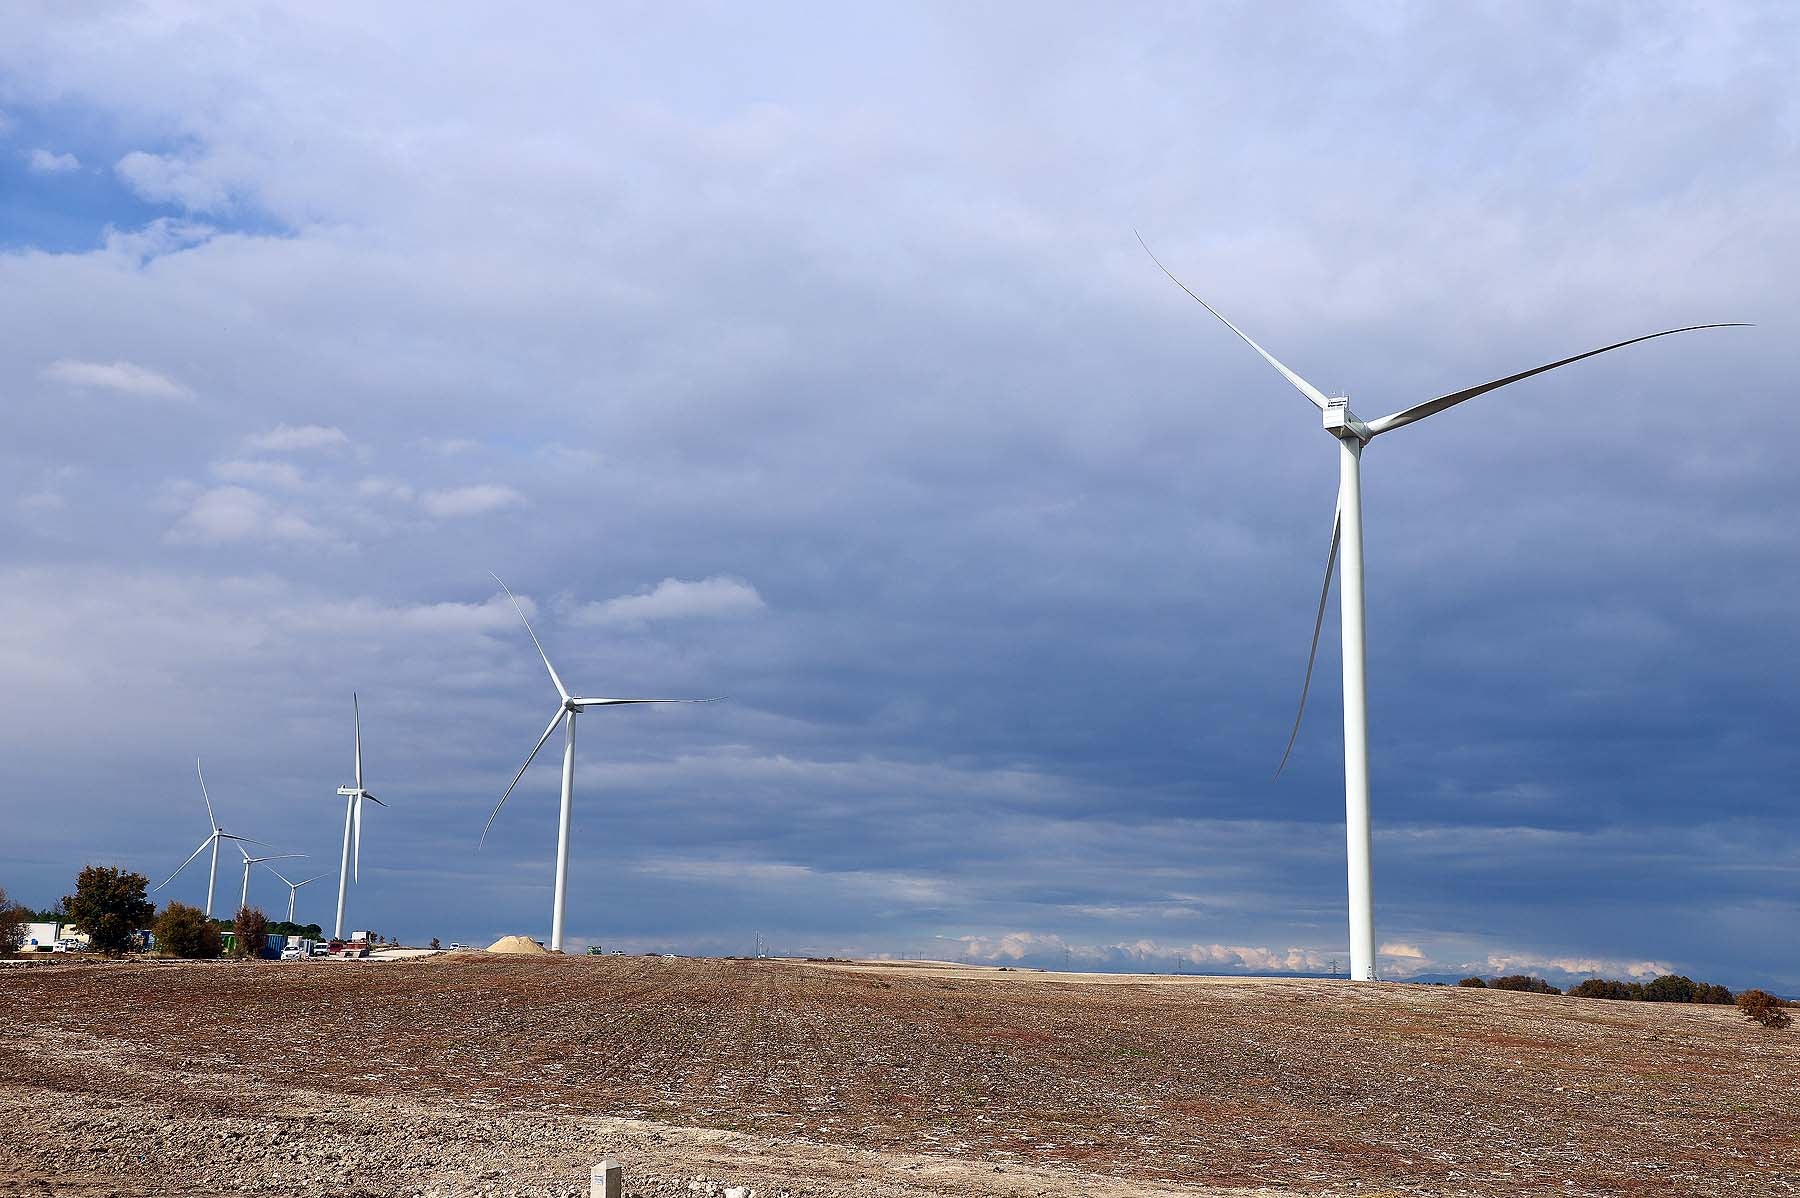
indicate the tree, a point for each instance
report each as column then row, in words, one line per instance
column 1764, row 1007
column 251, row 930
column 1473, row 983
column 434, row 943
column 13, row 919
column 184, row 931
column 1670, row 987
column 110, row 906
column 1606, row 988
column 1520, row 981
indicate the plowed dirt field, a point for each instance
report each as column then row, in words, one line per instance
column 486, row 1074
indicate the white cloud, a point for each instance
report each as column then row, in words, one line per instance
column 470, row 501
column 276, row 474
column 676, row 599
column 1049, row 949
column 191, row 183
column 1525, row 962
column 45, row 162
column 225, row 514
column 384, row 488
column 1405, row 952
column 125, row 377
column 448, row 446
column 289, row 438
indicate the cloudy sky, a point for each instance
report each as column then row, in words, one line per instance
column 806, row 356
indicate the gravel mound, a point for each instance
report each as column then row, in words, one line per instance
column 516, row 944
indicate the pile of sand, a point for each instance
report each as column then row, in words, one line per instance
column 515, row 944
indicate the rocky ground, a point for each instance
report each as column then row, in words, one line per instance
column 470, row 1073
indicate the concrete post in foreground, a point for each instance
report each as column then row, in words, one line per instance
column 609, row 1181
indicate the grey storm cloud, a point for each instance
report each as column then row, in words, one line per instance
column 808, row 358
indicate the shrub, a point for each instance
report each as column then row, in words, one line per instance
column 1477, row 983
column 1763, row 1007
column 185, row 931
column 109, row 905
column 1524, row 982
column 251, row 932
column 1712, row 992
column 12, row 924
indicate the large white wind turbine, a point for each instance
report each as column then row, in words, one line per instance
column 212, row 841
column 566, row 711
column 353, row 801
column 1347, row 542
column 294, row 887
column 244, row 895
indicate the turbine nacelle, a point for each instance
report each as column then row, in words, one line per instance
column 1342, row 423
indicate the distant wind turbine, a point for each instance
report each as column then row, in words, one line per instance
column 1347, row 541
column 294, row 887
column 354, row 796
column 212, row 841
column 244, row 895
column 566, row 711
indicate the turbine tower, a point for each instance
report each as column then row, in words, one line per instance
column 566, row 711
column 351, row 863
column 1352, row 435
column 294, row 887
column 212, row 841
column 244, row 895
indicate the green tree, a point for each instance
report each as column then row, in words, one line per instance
column 1524, row 982
column 109, row 905
column 1473, row 983
column 13, row 919
column 1670, row 987
column 184, row 931
column 251, row 931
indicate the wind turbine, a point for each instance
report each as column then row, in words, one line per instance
column 212, row 841
column 294, row 887
column 1347, row 541
column 566, row 711
column 244, row 895
column 354, row 796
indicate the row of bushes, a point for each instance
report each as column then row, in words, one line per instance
column 1759, row 1005
column 1670, row 987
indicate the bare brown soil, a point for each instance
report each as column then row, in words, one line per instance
column 876, row 1080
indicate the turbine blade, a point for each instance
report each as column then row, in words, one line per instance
column 210, row 817
column 184, row 864
column 224, row 835
column 314, row 878
column 278, row 874
column 554, row 721
column 560, row 688
column 1433, row 406
column 1312, row 654
column 357, row 710
column 373, row 799
column 616, row 702
column 1305, row 388
column 356, row 838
